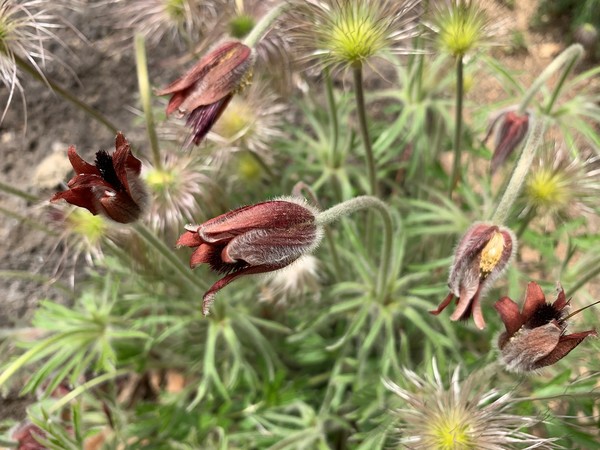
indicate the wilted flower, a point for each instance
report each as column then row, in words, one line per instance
column 203, row 93
column 480, row 258
column 348, row 33
column 512, row 129
column 25, row 26
column 111, row 186
column 254, row 239
column 560, row 186
column 535, row 337
column 462, row 26
column 464, row 416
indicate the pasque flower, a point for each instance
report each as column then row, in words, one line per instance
column 535, row 337
column 111, row 186
column 203, row 93
column 512, row 129
column 480, row 258
column 253, row 239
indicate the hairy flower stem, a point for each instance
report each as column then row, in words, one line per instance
column 517, row 178
column 361, row 111
column 367, row 202
column 337, row 267
column 95, row 114
column 458, row 116
column 146, row 98
column 570, row 56
column 333, row 120
column 261, row 28
column 583, row 280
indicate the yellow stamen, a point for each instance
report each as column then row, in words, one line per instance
column 491, row 254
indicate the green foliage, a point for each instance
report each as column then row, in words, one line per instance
column 286, row 368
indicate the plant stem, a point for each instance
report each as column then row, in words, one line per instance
column 364, row 129
column 262, row 26
column 366, row 202
column 146, row 97
column 148, row 236
column 583, row 280
column 333, row 119
column 94, row 113
column 518, row 176
column 18, row 192
column 337, row 267
column 458, row 116
column 570, row 55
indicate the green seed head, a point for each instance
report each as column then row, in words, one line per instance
column 241, row 25
column 462, row 27
column 83, row 223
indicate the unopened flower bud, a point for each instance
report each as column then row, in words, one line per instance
column 512, row 129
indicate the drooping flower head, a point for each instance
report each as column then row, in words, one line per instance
column 348, row 33
column 203, row 93
column 535, row 337
column 254, row 239
column 111, row 186
column 480, row 258
column 28, row 436
column 463, row 416
column 512, row 129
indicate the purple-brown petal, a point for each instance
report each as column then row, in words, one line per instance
column 534, row 300
column 565, row 345
column 443, row 305
column 189, row 239
column 209, row 296
column 266, row 215
column 509, row 314
column 120, row 207
column 203, row 118
column 512, row 131
column 79, row 164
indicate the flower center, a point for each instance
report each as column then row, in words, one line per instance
column 85, row 224
column 546, row 189
column 451, row 432
column 356, row 35
column 236, row 120
column 161, row 181
column 491, row 254
column 461, row 31
column 175, row 10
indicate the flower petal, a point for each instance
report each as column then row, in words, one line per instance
column 189, row 239
column 565, row 344
column 209, row 296
column 443, row 305
column 79, row 164
column 274, row 214
column 509, row 314
column 120, row 207
column 203, row 118
column 534, row 299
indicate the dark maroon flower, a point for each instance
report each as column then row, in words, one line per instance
column 25, row 434
column 512, row 130
column 111, row 186
column 203, row 93
column 480, row 258
column 254, row 239
column 535, row 337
